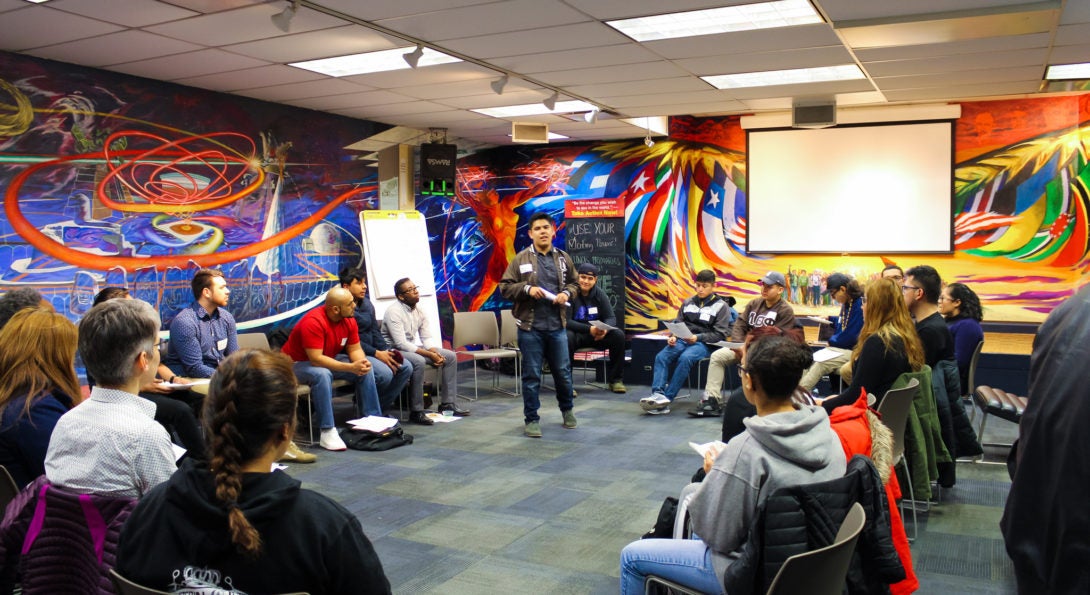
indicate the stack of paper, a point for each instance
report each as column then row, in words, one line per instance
column 374, row 423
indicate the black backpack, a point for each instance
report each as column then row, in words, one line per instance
column 393, row 437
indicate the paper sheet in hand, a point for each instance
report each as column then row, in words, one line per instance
column 551, row 296
column 826, row 354
column 194, row 382
column 374, row 423
column 179, row 452
column 601, row 325
column 679, row 329
column 701, row 449
column 818, row 319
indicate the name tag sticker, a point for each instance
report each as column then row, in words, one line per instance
column 221, row 344
column 343, row 341
column 526, row 268
column 592, row 310
column 705, row 316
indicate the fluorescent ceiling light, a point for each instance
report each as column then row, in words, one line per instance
column 746, row 17
column 372, row 62
column 534, row 109
column 845, row 72
column 554, row 136
column 1062, row 72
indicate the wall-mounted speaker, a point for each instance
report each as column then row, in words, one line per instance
column 529, row 132
column 817, row 115
column 438, row 167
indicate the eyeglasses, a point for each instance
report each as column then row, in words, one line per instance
column 907, row 287
column 742, row 370
column 412, row 289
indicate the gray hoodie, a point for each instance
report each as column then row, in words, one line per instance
column 778, row 450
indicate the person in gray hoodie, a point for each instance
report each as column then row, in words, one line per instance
column 785, row 444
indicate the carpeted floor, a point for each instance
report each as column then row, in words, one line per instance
column 475, row 507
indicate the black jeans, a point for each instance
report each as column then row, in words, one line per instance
column 612, row 342
column 175, row 412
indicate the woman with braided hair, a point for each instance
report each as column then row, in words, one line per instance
column 235, row 527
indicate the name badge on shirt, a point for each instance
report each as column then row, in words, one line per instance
column 526, row 268
column 221, row 344
column 343, row 341
column 705, row 317
column 592, row 310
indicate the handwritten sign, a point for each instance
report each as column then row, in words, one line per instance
column 600, row 241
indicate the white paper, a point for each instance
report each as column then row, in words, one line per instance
column 374, row 423
column 194, row 382
column 819, row 319
column 178, row 452
column 278, row 467
column 652, row 336
column 680, row 330
column 551, row 296
column 729, row 344
column 823, row 355
column 440, row 418
column 598, row 324
column 702, row 449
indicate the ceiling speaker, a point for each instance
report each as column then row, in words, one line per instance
column 529, row 132
column 818, row 115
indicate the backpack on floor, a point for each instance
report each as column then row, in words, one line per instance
column 393, row 437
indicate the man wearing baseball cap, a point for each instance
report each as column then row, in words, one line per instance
column 589, row 304
column 768, row 310
column 849, row 294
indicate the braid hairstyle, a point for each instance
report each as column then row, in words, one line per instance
column 260, row 383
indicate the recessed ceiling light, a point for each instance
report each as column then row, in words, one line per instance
column 1063, row 72
column 368, row 62
column 552, row 136
column 534, row 109
column 845, row 72
column 746, row 17
column 37, row 1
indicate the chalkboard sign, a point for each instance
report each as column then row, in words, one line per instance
column 600, row 241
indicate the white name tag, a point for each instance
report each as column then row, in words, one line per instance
column 526, row 268
column 343, row 341
column 592, row 310
column 705, row 316
column 221, row 344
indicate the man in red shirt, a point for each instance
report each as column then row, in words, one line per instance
column 325, row 345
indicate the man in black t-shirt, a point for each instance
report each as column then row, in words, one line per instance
column 921, row 288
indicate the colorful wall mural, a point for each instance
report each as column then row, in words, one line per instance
column 113, row 180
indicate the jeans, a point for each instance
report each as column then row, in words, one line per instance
column 553, row 347
column 320, row 381
column 449, row 374
column 684, row 561
column 388, row 382
column 175, row 414
column 612, row 342
column 684, row 355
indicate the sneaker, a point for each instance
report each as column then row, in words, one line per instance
column 331, row 440
column 707, row 407
column 663, row 411
column 294, row 454
column 655, row 401
column 533, row 429
column 617, row 387
column 569, row 419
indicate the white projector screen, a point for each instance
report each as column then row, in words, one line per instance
column 854, row 189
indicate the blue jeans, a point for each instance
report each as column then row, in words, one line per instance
column 687, row 562
column 682, row 354
column 389, row 383
column 553, row 347
column 320, row 381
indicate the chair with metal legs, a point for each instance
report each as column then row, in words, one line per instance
column 894, row 410
column 480, row 328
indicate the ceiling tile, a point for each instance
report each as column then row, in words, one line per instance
column 317, row 88
column 811, row 58
column 690, row 83
column 130, row 13
column 363, row 98
column 626, row 53
column 844, row 10
column 179, row 66
column 745, row 42
column 430, row 75
column 485, row 19
column 968, row 46
column 493, row 100
column 805, row 90
column 547, row 39
column 102, row 50
column 242, row 24
column 472, row 88
column 37, row 26
column 391, row 109
column 954, row 93
column 999, row 60
column 373, row 10
column 994, row 75
column 613, row 74
column 674, row 98
column 264, row 76
column 1072, row 34
column 610, row 10
column 1070, row 54
column 326, row 43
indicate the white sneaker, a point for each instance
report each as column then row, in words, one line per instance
column 663, row 411
column 331, row 440
column 655, row 402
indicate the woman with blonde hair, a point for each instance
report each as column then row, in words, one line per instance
column 888, row 345
column 38, row 385
column 236, row 526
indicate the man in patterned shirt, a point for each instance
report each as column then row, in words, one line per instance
column 204, row 333
column 110, row 444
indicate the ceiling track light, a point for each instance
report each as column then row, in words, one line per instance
column 591, row 117
column 282, row 19
column 413, row 57
column 550, row 101
column 499, row 84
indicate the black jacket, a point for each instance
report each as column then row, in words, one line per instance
column 580, row 311
column 177, row 536
column 801, row 518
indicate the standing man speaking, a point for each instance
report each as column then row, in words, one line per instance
column 540, row 281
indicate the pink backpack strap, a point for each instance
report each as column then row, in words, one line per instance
column 37, row 521
column 95, row 523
